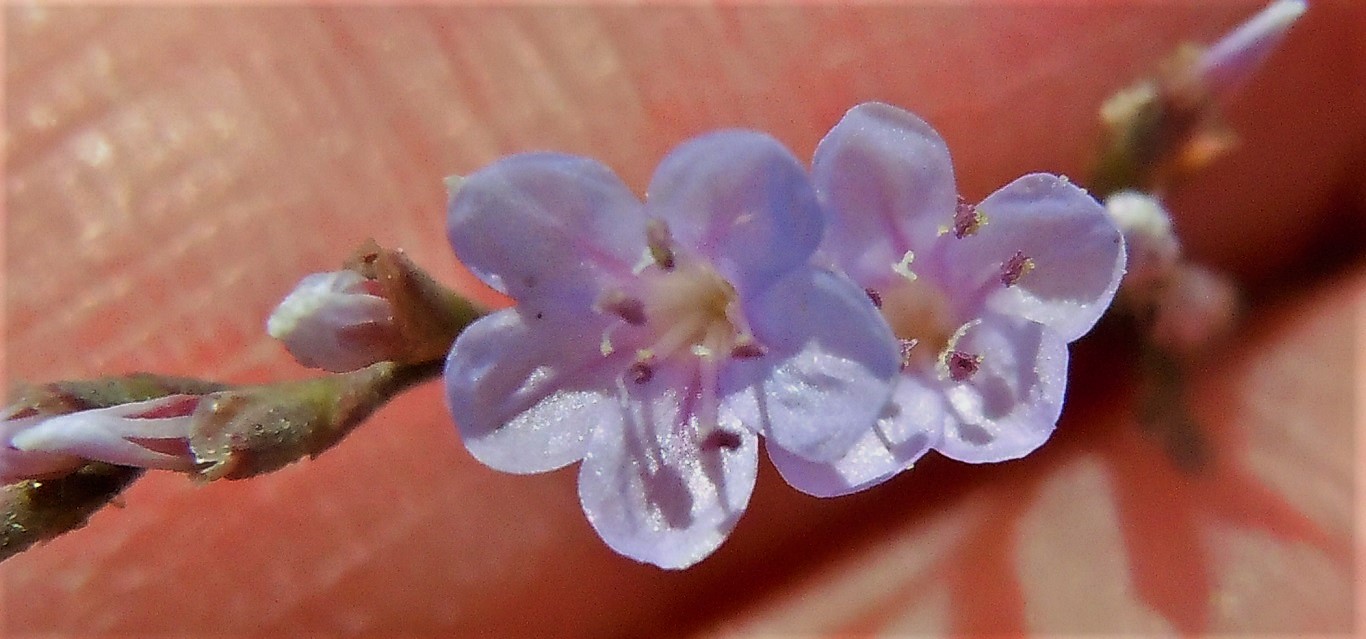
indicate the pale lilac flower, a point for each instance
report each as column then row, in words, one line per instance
column 336, row 321
column 984, row 298
column 148, row 434
column 656, row 341
column 1228, row 64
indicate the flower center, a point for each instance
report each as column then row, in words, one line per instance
column 684, row 309
column 691, row 307
column 919, row 316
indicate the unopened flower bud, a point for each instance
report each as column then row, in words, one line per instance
column 1153, row 249
column 15, row 464
column 336, row 321
column 1228, row 64
column 1164, row 128
column 1195, row 307
column 146, row 434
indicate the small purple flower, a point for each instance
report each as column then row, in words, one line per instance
column 337, row 321
column 655, row 341
column 148, row 434
column 984, row 298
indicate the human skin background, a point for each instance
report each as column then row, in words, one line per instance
column 171, row 172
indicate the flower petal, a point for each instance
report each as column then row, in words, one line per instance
column 545, row 227
column 1010, row 405
column 526, row 394
column 911, row 424
column 1076, row 251
column 741, row 199
column 653, row 489
column 888, row 181
column 829, row 367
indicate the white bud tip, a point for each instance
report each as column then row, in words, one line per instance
column 1231, row 61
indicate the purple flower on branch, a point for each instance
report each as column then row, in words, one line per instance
column 656, row 341
column 984, row 298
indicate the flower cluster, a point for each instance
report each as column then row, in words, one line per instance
column 854, row 316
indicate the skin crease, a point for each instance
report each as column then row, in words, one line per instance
column 171, row 173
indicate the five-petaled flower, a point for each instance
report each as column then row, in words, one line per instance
column 656, row 341
column 984, row 298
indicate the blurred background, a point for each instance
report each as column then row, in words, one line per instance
column 170, row 172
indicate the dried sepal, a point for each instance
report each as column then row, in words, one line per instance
column 427, row 315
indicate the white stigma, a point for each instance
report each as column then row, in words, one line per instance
column 903, row 268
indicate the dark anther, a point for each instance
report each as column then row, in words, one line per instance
column 875, row 296
column 630, row 310
column 660, row 243
column 962, row 366
column 747, row 350
column 966, row 219
column 640, row 372
column 720, row 438
column 1015, row 268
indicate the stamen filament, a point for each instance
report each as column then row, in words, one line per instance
column 679, row 335
column 707, row 407
column 907, row 351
